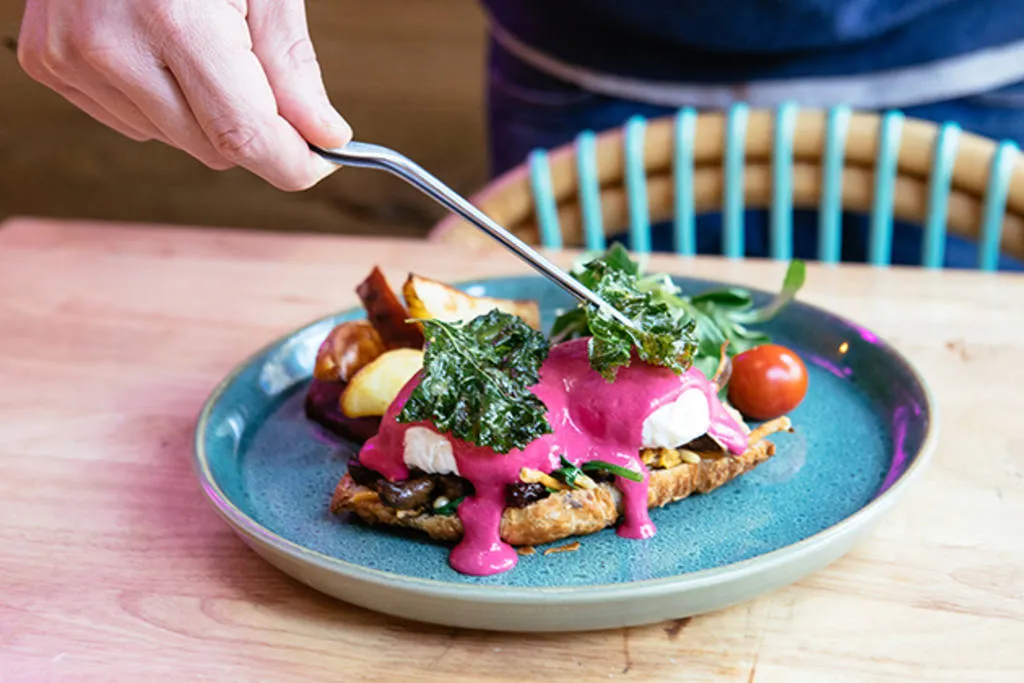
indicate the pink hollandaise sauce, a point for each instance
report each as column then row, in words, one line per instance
column 591, row 419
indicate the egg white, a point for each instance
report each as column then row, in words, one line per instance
column 426, row 450
column 679, row 422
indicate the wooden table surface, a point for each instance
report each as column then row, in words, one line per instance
column 113, row 566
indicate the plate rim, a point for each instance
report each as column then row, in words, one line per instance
column 563, row 595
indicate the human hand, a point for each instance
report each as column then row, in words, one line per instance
column 231, row 82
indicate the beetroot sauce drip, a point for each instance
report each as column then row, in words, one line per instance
column 591, row 419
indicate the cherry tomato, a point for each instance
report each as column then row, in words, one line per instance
column 767, row 382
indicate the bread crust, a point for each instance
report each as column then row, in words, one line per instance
column 568, row 513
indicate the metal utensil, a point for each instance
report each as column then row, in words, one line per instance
column 365, row 155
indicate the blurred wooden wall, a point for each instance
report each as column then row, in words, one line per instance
column 406, row 73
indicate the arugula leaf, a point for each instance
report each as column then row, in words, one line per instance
column 476, row 378
column 796, row 274
column 731, row 310
column 739, row 299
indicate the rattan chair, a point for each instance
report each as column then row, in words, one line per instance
column 674, row 168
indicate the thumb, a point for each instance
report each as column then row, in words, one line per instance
column 280, row 40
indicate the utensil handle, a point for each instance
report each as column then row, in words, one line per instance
column 365, row 155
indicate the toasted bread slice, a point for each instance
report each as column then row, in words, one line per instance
column 566, row 513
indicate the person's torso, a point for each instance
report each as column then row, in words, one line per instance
column 745, row 41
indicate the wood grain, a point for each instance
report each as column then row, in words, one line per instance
column 114, row 568
column 406, row 74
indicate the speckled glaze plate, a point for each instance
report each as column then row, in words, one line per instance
column 863, row 432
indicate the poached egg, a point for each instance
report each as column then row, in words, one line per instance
column 669, row 426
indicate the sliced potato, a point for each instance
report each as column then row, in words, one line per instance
column 347, row 348
column 387, row 314
column 374, row 388
column 431, row 299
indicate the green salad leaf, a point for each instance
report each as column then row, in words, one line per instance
column 611, row 468
column 476, row 379
column 568, row 473
column 450, row 507
column 711, row 318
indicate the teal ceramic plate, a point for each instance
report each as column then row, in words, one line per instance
column 862, row 433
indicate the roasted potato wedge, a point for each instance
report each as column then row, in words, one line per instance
column 431, row 299
column 347, row 348
column 374, row 388
column 387, row 314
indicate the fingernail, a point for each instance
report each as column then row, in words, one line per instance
column 324, row 168
column 337, row 127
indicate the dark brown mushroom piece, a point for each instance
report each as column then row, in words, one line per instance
column 406, row 495
column 452, row 486
column 520, row 494
column 363, row 475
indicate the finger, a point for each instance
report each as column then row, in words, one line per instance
column 131, row 84
column 234, row 104
column 47, row 61
column 101, row 114
column 94, row 86
column 160, row 97
column 280, row 39
column 154, row 92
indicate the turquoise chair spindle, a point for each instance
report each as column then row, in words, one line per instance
column 880, row 237
column 904, row 161
column 995, row 203
column 590, row 191
column 830, row 212
column 685, row 212
column 938, row 195
column 636, row 186
column 782, row 182
column 732, row 193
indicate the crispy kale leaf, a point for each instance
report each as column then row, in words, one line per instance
column 714, row 317
column 725, row 315
column 476, row 379
column 659, row 335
